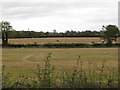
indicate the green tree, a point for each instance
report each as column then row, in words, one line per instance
column 5, row 27
column 109, row 33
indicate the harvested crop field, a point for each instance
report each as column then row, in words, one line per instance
column 23, row 60
column 87, row 40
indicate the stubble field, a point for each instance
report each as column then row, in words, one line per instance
column 30, row 67
column 87, row 40
column 58, row 67
column 24, row 60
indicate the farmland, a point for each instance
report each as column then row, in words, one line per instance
column 98, row 62
column 87, row 40
column 21, row 59
column 93, row 62
column 25, row 61
column 68, row 40
column 59, row 45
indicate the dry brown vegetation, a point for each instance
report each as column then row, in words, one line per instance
column 87, row 40
column 73, row 67
column 28, row 58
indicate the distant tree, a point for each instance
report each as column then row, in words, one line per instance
column 5, row 27
column 67, row 33
column 54, row 31
column 46, row 33
column 109, row 33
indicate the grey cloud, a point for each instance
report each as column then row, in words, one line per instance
column 30, row 9
column 103, row 20
column 21, row 10
column 109, row 16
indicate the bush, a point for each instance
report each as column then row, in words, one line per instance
column 62, row 45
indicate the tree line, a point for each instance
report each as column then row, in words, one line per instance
column 33, row 34
column 108, row 33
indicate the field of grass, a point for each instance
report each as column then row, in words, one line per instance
column 23, row 59
column 101, row 65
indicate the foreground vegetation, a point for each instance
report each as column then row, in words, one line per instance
column 61, row 69
column 46, row 77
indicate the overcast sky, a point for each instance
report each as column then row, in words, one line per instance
column 62, row 15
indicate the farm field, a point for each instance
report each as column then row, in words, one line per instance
column 87, row 40
column 24, row 60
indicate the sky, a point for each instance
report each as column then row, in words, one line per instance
column 61, row 15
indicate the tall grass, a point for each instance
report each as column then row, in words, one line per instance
column 49, row 77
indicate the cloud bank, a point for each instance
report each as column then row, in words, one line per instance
column 46, row 15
